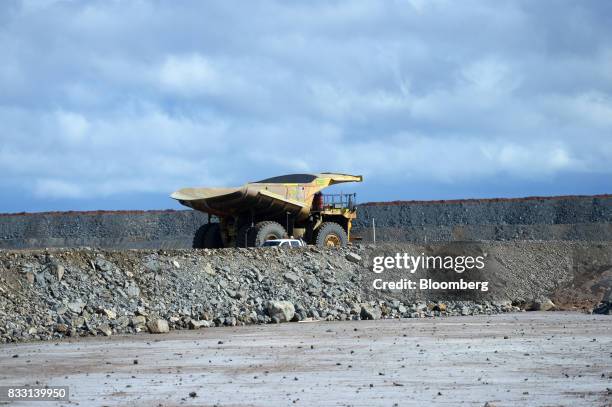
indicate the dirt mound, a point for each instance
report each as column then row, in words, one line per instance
column 50, row 294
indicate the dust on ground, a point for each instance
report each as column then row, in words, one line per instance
column 551, row 359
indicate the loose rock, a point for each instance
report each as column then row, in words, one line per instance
column 105, row 329
column 370, row 312
column 158, row 326
column 193, row 324
column 283, row 311
column 353, row 257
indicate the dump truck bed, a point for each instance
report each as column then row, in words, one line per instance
column 271, row 197
column 233, row 201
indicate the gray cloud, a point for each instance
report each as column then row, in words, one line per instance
column 105, row 98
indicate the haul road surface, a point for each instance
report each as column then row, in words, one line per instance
column 531, row 359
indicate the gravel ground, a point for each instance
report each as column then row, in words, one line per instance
column 534, row 359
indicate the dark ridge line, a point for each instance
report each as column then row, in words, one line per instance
column 381, row 203
column 97, row 212
column 485, row 200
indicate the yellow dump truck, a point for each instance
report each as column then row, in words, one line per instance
column 274, row 208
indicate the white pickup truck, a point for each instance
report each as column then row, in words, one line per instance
column 284, row 243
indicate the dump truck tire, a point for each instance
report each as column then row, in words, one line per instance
column 330, row 234
column 244, row 236
column 198, row 238
column 267, row 230
column 212, row 237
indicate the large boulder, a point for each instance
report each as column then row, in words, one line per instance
column 353, row 257
column 543, row 304
column 105, row 329
column 605, row 306
column 76, row 306
column 282, row 311
column 139, row 321
column 57, row 270
column 370, row 311
column 193, row 324
column 158, row 326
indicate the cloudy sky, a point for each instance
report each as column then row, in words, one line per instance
column 115, row 104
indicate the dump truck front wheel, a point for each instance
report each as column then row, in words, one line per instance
column 267, row 230
column 331, row 234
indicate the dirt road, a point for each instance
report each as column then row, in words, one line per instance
column 546, row 359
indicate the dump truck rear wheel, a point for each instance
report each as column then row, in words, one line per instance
column 331, row 234
column 212, row 237
column 267, row 230
column 198, row 238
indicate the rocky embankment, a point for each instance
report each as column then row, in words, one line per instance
column 78, row 292
column 574, row 218
column 104, row 229
column 571, row 218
